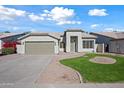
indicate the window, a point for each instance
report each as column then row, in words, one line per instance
column 91, row 44
column 88, row 44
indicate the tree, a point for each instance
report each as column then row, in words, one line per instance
column 6, row 31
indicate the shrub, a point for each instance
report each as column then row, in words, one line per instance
column 6, row 51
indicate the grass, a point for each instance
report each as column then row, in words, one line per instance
column 98, row 73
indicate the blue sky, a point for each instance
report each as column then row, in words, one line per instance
column 59, row 18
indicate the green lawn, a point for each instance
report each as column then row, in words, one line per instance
column 93, row 72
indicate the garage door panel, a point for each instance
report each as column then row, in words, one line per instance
column 39, row 48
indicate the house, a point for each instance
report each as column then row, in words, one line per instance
column 113, row 41
column 9, row 37
column 72, row 40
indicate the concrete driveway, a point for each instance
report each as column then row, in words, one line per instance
column 22, row 70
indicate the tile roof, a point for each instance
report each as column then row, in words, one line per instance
column 74, row 30
column 55, row 35
column 114, row 35
column 4, row 35
column 87, row 35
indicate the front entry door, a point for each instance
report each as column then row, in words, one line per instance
column 73, row 47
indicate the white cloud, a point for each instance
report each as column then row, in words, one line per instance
column 43, row 15
column 35, row 17
column 60, row 15
column 93, row 26
column 46, row 11
column 15, row 28
column 10, row 13
column 109, row 29
column 113, row 29
column 97, row 12
column 68, row 22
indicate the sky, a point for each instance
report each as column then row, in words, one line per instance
column 56, row 18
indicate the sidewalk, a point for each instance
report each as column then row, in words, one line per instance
column 84, row 85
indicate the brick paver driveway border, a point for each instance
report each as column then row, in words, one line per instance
column 57, row 73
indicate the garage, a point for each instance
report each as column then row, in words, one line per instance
column 38, row 44
column 39, row 48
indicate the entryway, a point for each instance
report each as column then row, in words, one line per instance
column 106, row 47
column 74, row 43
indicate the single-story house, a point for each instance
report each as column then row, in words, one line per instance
column 9, row 37
column 113, row 41
column 72, row 40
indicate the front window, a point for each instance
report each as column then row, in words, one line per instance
column 88, row 44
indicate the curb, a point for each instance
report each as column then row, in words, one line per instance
column 80, row 77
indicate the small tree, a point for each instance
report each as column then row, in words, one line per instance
column 6, row 31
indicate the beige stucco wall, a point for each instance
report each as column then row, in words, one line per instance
column 39, row 38
column 20, row 49
column 80, row 42
column 61, row 40
column 117, row 46
column 68, row 35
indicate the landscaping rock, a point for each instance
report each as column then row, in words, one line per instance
column 103, row 60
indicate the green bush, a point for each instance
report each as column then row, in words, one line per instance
column 6, row 51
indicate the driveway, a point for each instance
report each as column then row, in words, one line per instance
column 17, row 70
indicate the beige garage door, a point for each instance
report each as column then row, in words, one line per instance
column 39, row 48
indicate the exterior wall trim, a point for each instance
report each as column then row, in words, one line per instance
column 37, row 35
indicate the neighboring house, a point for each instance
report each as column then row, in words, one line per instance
column 9, row 37
column 72, row 40
column 113, row 41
